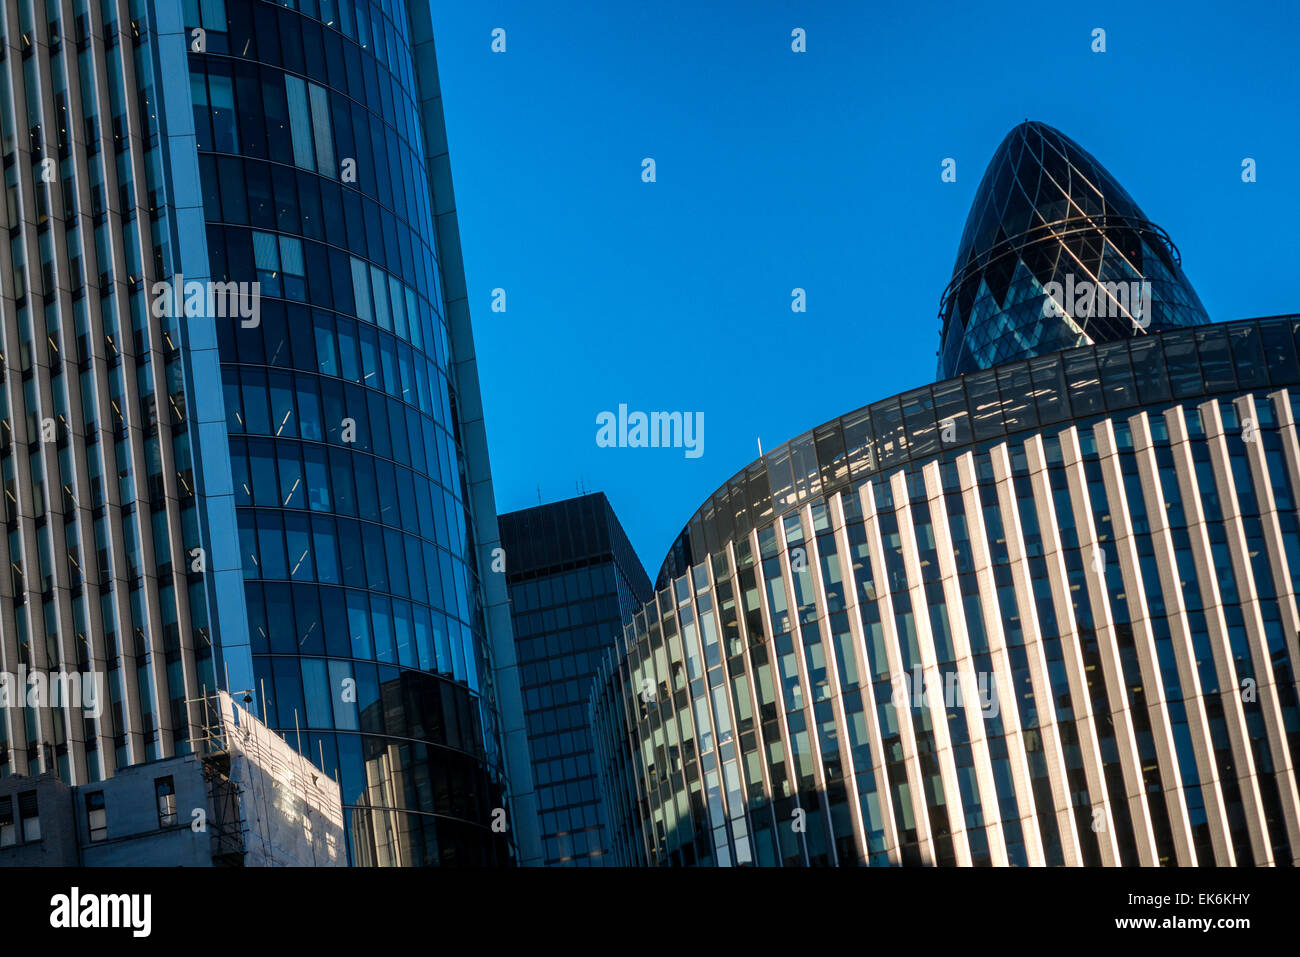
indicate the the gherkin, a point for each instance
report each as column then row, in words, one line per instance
column 1046, row 212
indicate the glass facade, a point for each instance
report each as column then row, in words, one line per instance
column 277, row 501
column 1044, row 614
column 574, row 579
column 355, row 536
column 1046, row 212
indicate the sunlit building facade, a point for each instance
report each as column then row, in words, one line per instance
column 1040, row 613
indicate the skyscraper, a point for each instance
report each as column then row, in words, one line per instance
column 1047, row 212
column 574, row 579
column 1041, row 612
column 280, row 487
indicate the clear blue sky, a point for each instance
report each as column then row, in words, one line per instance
column 818, row 170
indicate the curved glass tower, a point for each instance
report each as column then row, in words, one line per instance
column 1055, row 254
column 350, row 481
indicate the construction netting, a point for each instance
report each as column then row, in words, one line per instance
column 291, row 813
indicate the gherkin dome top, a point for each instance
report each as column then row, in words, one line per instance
column 1056, row 254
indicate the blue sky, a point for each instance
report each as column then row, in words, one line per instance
column 818, row 170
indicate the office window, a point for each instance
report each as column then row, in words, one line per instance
column 29, row 816
column 320, row 121
column 299, row 123
column 96, row 816
column 8, row 833
column 309, row 413
column 234, row 200
column 270, row 540
column 165, row 790
column 295, row 285
column 361, row 289
column 399, row 307
column 225, row 132
column 284, row 184
column 379, row 286
column 318, row 485
column 266, row 256
column 292, row 494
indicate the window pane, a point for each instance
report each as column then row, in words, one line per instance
column 361, row 289
column 270, row 543
column 316, row 686
column 320, row 121
column 325, row 547
column 299, row 122
column 288, row 692
column 292, row 494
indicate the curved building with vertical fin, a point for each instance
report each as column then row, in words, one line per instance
column 1041, row 612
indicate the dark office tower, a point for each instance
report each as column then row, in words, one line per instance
column 574, row 580
column 1041, row 613
column 282, row 489
column 1047, row 212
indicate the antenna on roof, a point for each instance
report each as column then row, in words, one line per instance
column 760, row 446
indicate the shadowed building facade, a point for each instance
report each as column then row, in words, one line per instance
column 574, row 579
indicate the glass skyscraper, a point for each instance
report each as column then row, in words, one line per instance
column 295, row 499
column 574, row 579
column 1046, row 211
column 1041, row 612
